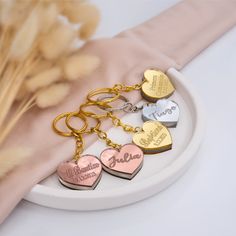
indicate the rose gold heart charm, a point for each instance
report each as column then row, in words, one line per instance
column 124, row 163
column 83, row 174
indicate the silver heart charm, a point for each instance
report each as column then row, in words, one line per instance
column 164, row 111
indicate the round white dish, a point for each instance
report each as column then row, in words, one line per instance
column 158, row 172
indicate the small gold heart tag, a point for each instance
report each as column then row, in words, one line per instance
column 157, row 86
column 154, row 138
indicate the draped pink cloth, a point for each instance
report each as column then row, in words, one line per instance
column 170, row 39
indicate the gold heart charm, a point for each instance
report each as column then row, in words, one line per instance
column 157, row 86
column 154, row 138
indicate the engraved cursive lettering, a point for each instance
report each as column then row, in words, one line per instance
column 154, row 83
column 158, row 141
column 80, row 174
column 78, row 170
column 150, row 137
column 168, row 110
column 126, row 158
column 162, row 86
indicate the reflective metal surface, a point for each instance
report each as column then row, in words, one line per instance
column 164, row 110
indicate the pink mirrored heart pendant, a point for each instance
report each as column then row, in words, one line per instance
column 83, row 174
column 124, row 163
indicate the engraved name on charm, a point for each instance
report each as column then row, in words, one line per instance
column 82, row 174
column 164, row 111
column 124, row 163
column 157, row 86
column 154, row 138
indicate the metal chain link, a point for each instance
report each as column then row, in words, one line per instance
column 79, row 147
column 103, row 136
column 127, row 88
column 115, row 120
column 118, row 123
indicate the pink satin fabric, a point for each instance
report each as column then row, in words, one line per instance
column 171, row 39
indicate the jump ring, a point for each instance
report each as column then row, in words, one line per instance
column 54, row 125
column 103, row 91
column 79, row 115
column 91, row 114
column 95, row 128
column 110, row 109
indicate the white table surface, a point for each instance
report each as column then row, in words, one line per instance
column 203, row 201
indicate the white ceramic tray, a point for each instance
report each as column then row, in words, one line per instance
column 158, row 172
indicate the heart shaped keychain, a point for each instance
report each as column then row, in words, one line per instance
column 164, row 111
column 154, row 138
column 124, row 163
column 82, row 174
column 157, row 85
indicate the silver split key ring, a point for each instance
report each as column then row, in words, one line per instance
column 127, row 106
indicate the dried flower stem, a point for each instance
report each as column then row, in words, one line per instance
column 24, row 106
column 13, row 86
column 4, row 51
column 4, row 34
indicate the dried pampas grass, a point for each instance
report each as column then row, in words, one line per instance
column 49, row 17
column 25, row 37
column 43, row 79
column 38, row 59
column 80, row 13
column 78, row 66
column 86, row 14
column 49, row 96
column 55, row 43
column 16, row 10
column 11, row 158
column 39, row 67
column 90, row 23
